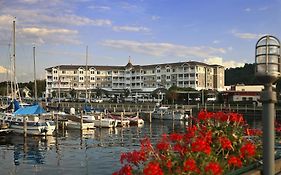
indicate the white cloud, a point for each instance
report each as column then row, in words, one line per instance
column 42, row 35
column 3, row 70
column 163, row 49
column 247, row 35
column 216, row 41
column 248, row 9
column 99, row 7
column 220, row 61
column 154, row 18
column 130, row 28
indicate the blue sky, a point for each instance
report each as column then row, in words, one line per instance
column 149, row 31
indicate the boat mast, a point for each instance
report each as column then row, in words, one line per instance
column 14, row 57
column 35, row 83
column 86, row 79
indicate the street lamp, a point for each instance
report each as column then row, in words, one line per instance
column 267, row 72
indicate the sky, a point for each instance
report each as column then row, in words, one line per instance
column 145, row 31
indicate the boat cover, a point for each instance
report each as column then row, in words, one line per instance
column 29, row 110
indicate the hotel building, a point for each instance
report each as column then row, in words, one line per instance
column 138, row 79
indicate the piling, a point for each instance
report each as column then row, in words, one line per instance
column 150, row 116
column 57, row 124
column 24, row 127
column 81, row 121
column 173, row 115
column 161, row 115
column 122, row 115
column 101, row 115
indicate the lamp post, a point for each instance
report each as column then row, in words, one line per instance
column 267, row 72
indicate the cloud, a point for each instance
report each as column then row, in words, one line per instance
column 248, row 9
column 216, row 41
column 3, row 70
column 56, row 16
column 43, row 35
column 247, row 35
column 95, row 7
column 130, row 28
column 163, row 49
column 220, row 61
column 154, row 18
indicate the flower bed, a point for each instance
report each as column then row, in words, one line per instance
column 214, row 143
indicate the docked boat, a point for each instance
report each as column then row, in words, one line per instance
column 99, row 121
column 165, row 113
column 126, row 121
column 77, row 125
column 34, row 125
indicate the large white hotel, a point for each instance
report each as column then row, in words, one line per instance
column 141, row 79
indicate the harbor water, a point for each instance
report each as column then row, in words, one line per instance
column 93, row 152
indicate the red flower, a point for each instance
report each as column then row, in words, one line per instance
column 162, row 146
column 153, row 168
column 214, row 168
column 190, row 132
column 248, row 150
column 200, row 146
column 175, row 137
column 125, row 170
column 234, row 161
column 190, row 166
column 225, row 143
column 134, row 157
column 169, row 164
column 180, row 148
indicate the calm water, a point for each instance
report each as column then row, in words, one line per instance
column 96, row 152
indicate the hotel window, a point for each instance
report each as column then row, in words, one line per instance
column 153, row 71
column 63, row 72
column 92, row 78
column 144, row 72
column 158, row 78
column 81, row 72
column 174, row 70
column 168, row 77
column 98, row 78
column 92, row 72
column 75, row 72
column 81, row 78
column 158, row 70
column 168, row 70
column 98, row 72
column 109, row 72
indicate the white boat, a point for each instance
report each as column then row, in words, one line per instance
column 165, row 113
column 34, row 125
column 77, row 125
column 100, row 121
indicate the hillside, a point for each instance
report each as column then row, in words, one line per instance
column 241, row 75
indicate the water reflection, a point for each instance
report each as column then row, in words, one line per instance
column 75, row 152
column 29, row 150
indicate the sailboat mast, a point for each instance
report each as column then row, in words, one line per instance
column 14, row 94
column 86, row 79
column 34, row 68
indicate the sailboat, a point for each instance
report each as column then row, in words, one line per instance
column 75, row 123
column 26, row 120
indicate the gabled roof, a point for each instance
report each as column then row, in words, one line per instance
column 130, row 65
